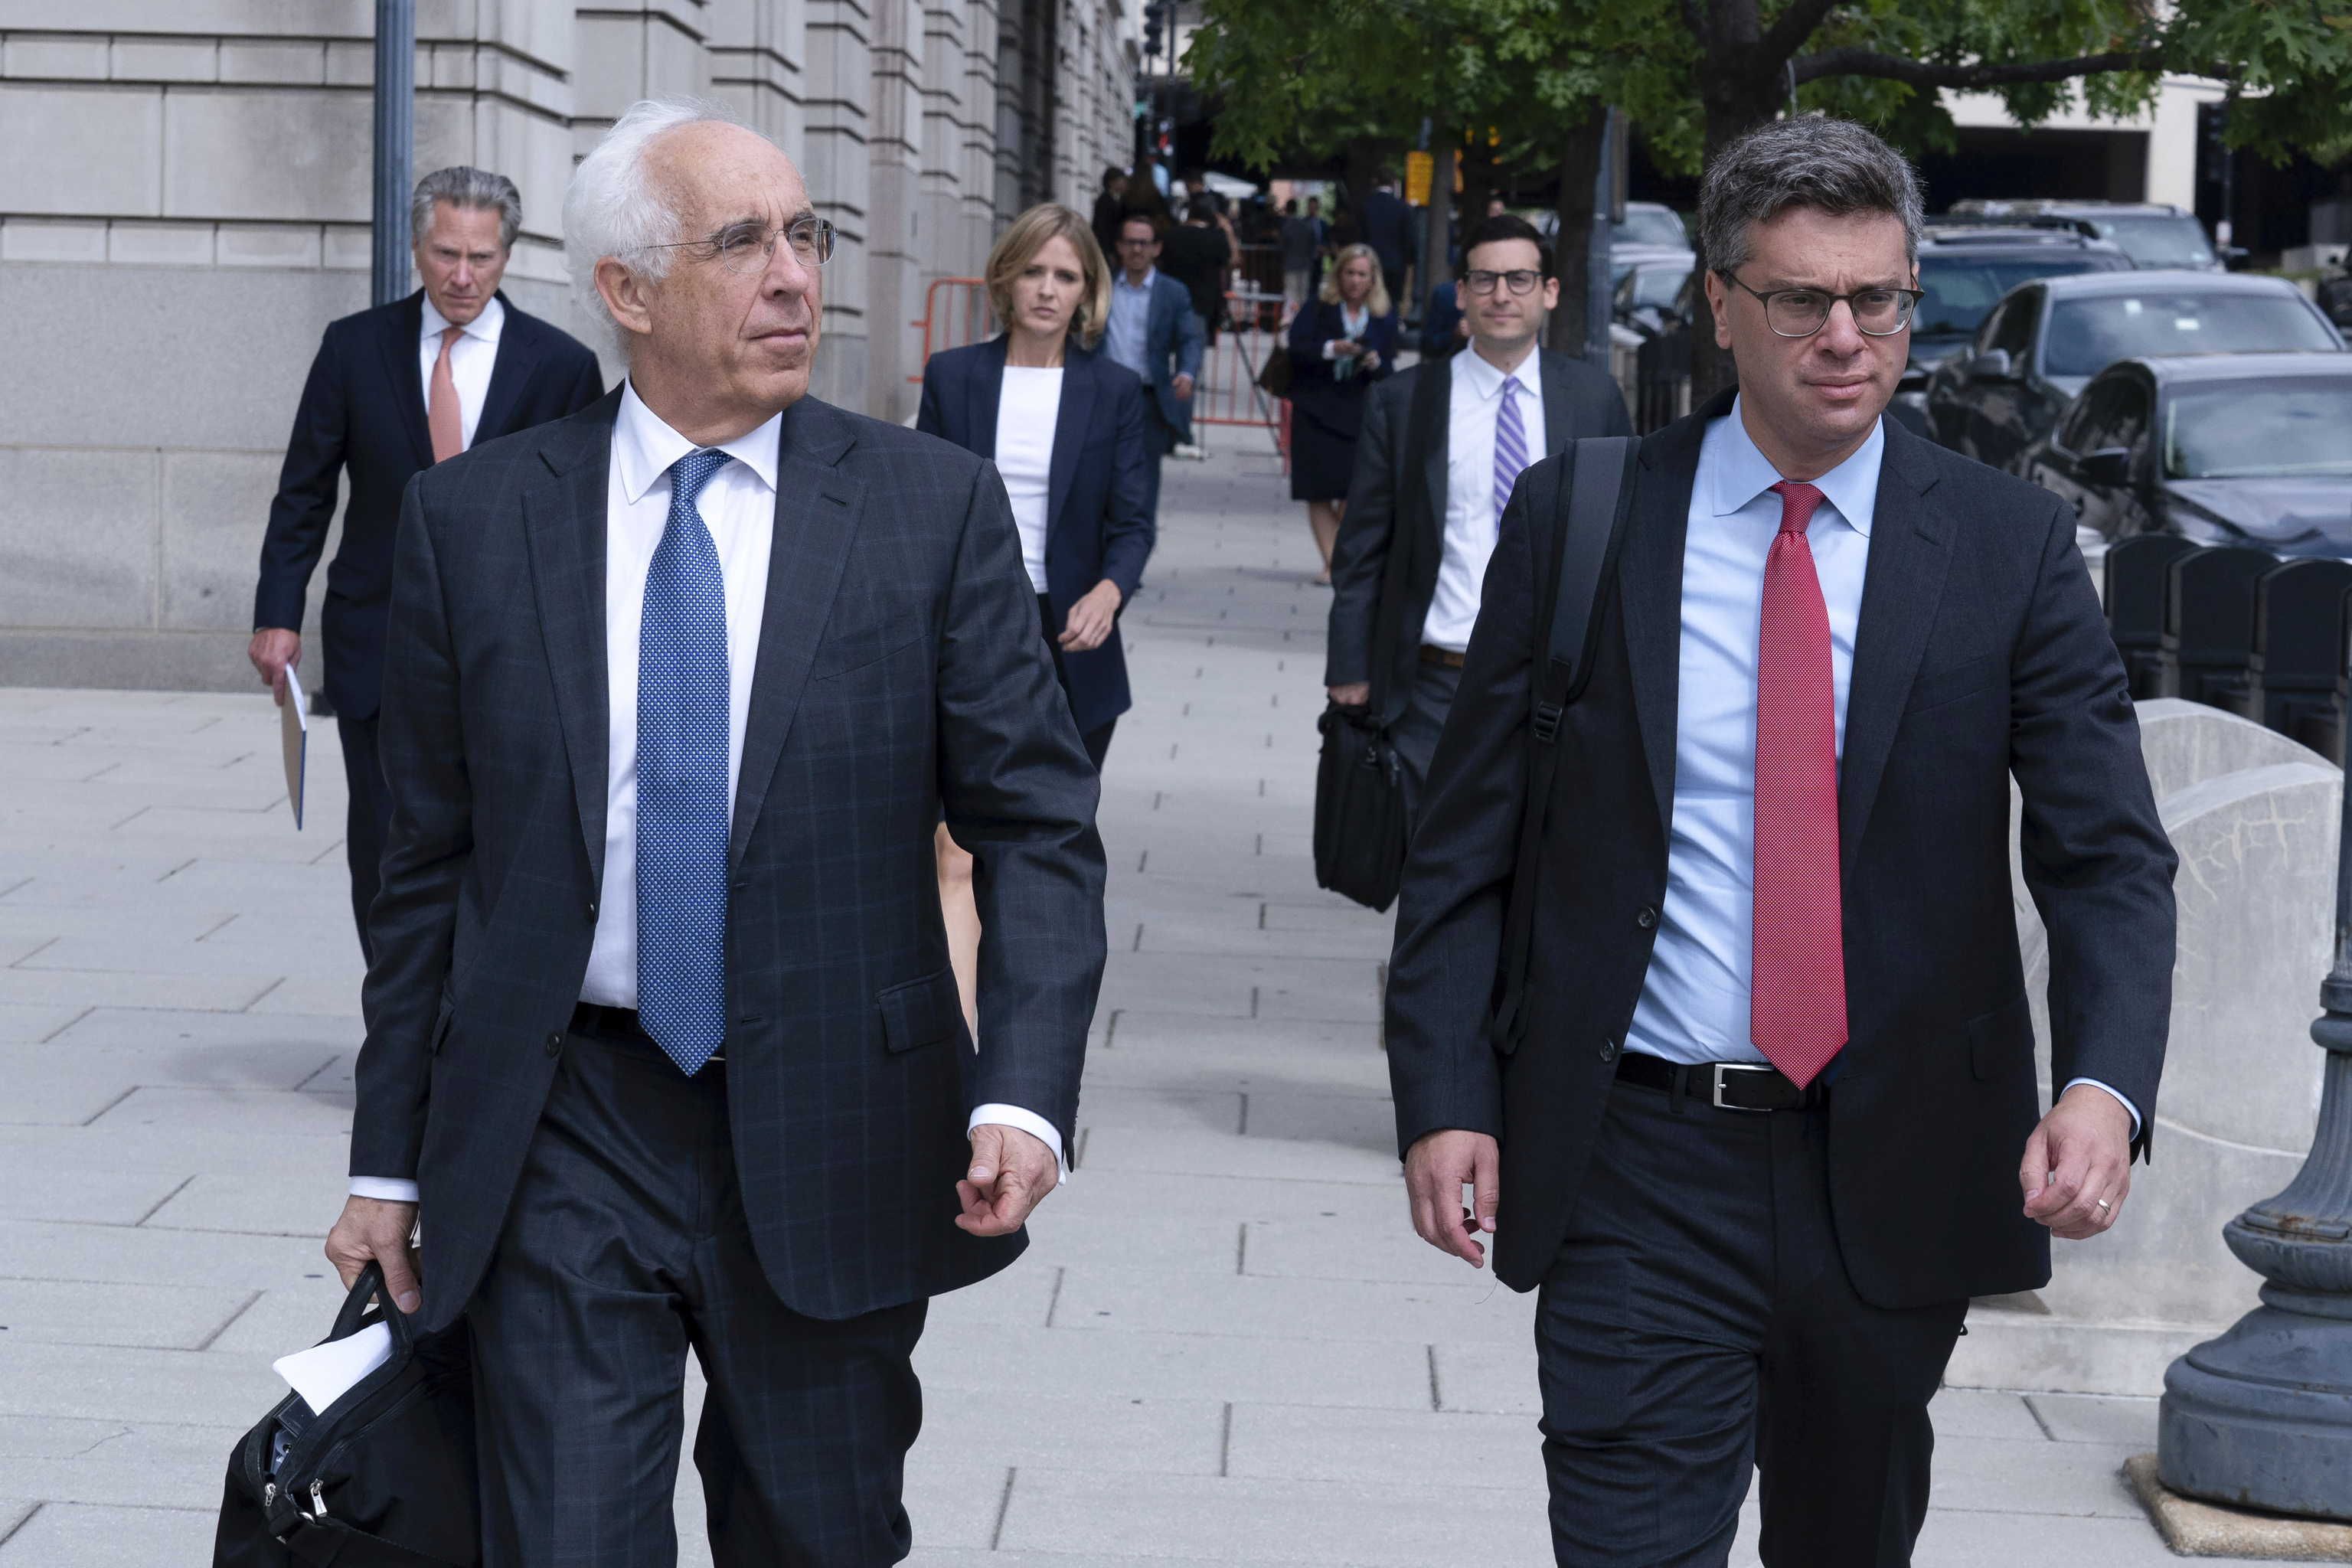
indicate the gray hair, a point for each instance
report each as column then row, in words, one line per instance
column 614, row 208
column 1832, row 166
column 477, row 189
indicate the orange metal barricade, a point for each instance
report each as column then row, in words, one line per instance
column 955, row 313
column 1227, row 391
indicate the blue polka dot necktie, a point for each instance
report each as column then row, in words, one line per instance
column 682, row 781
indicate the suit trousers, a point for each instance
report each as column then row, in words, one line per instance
column 1096, row 740
column 1698, row 1322
column 367, row 822
column 1414, row 735
column 626, row 1245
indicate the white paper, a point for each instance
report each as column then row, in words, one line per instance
column 294, row 737
column 324, row 1373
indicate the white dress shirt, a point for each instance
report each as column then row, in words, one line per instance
column 1127, row 337
column 1471, row 517
column 1026, row 413
column 1695, row 998
column 738, row 506
column 471, row 359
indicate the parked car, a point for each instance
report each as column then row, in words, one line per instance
column 2153, row 234
column 1963, row 273
column 2036, row 350
column 1646, row 222
column 1651, row 294
column 2335, row 297
column 2220, row 448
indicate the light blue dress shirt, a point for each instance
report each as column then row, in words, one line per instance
column 1693, row 1003
column 1127, row 335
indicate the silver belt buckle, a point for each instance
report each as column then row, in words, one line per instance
column 1722, row 1068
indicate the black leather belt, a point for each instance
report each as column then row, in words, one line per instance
column 622, row 1025
column 1731, row 1086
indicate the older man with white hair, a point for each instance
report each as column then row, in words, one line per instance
column 661, row 1025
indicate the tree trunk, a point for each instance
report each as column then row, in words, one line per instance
column 1579, row 167
column 1362, row 168
column 1437, row 241
column 1739, row 91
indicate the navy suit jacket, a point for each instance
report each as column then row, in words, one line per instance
column 1335, row 404
column 363, row 410
column 1981, row 653
column 900, row 681
column 1095, row 525
column 1173, row 340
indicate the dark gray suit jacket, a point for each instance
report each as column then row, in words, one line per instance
column 900, row 675
column 1578, row 400
column 1981, row 652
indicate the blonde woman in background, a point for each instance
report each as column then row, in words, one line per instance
column 1065, row 426
column 1339, row 345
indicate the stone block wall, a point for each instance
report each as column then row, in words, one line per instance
column 184, row 202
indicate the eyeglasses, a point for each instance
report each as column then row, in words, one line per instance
column 1522, row 280
column 1802, row 312
column 749, row 247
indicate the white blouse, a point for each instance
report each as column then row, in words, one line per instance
column 1026, row 415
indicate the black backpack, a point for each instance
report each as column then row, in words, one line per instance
column 383, row 1478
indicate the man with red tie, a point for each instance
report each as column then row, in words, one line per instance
column 1772, row 1116
column 393, row 391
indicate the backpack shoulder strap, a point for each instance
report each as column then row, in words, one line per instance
column 1587, row 529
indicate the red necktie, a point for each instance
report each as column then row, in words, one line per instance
column 1796, row 1006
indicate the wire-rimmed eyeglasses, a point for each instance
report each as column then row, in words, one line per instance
column 1519, row 280
column 749, row 247
column 1802, row 312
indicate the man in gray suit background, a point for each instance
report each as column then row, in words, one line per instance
column 1443, row 444
column 663, row 1045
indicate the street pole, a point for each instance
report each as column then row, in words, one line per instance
column 2262, row 1416
column 1608, row 211
column 395, row 133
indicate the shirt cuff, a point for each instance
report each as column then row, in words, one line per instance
column 1331, row 348
column 1029, row 1121
column 390, row 1189
column 2119, row 1097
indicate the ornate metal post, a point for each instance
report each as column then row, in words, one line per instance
column 2263, row 1416
column 396, row 133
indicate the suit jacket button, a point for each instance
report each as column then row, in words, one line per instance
column 554, row 1044
column 1646, row 916
column 1608, row 1050
column 592, row 909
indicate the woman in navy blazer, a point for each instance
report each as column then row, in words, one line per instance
column 1065, row 426
column 1340, row 344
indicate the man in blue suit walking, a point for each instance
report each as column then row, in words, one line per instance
column 1154, row 332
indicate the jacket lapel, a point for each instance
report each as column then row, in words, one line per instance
column 564, row 530
column 1435, row 459
column 817, row 509
column 510, row 374
column 1650, row 591
column 1910, row 550
column 1070, row 422
column 981, row 403
column 1560, row 419
column 405, row 328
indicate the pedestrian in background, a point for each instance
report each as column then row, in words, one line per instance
column 1771, row 1117
column 1154, row 332
column 393, row 391
column 1109, row 207
column 1443, row 327
column 1385, row 223
column 1494, row 409
column 1339, row 346
column 1197, row 255
column 661, row 1032
column 1299, row 235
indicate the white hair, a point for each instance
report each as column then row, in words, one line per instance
column 612, row 208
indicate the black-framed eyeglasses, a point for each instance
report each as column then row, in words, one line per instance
column 1519, row 279
column 1802, row 312
column 749, row 247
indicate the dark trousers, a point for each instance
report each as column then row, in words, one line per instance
column 1699, row 1320
column 1158, row 436
column 1096, row 740
column 626, row 1245
column 368, row 822
column 1414, row 735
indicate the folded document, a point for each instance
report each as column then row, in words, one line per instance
column 324, row 1373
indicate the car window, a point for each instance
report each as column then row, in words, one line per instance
column 2158, row 239
column 1957, row 290
column 2015, row 331
column 1650, row 229
column 1658, row 285
column 2088, row 335
column 2259, row 430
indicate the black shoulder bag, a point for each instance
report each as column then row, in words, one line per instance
column 383, row 1478
column 1587, row 529
column 1360, row 816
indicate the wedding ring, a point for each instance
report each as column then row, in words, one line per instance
column 2102, row 1202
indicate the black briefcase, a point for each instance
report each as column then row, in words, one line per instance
column 383, row 1478
column 1360, row 830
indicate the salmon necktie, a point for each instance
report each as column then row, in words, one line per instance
column 1796, row 1000
column 441, row 416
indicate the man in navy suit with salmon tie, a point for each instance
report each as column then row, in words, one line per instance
column 1765, row 1116
column 393, row 391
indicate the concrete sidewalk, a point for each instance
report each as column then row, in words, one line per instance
column 1224, row 1346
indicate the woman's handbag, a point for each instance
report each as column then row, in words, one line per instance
column 382, row 1477
column 1273, row 376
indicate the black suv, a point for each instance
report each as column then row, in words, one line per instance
column 1963, row 272
column 2036, row 348
column 2153, row 234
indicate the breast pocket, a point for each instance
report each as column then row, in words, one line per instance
column 867, row 645
column 1971, row 679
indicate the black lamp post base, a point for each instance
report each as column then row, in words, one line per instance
column 2261, row 1418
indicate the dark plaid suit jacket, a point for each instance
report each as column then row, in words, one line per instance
column 900, row 675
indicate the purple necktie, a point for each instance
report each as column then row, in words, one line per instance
column 1510, row 445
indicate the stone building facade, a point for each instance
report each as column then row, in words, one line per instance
column 185, row 201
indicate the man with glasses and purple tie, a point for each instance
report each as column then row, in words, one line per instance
column 1443, row 444
column 663, row 1050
